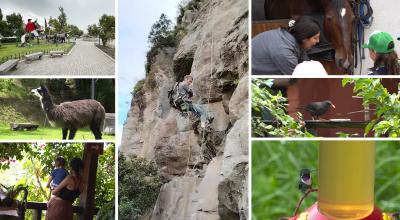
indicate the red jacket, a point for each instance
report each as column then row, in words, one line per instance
column 30, row 27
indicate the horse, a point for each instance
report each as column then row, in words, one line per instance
column 338, row 23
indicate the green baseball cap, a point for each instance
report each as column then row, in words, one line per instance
column 381, row 42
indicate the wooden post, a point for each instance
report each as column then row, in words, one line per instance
column 37, row 214
column 90, row 159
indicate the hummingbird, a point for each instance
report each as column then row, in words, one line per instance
column 305, row 182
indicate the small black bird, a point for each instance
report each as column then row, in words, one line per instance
column 305, row 182
column 318, row 108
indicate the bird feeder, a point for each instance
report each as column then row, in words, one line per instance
column 346, row 176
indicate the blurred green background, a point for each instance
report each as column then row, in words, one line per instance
column 275, row 173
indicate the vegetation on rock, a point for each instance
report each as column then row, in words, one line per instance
column 138, row 188
column 161, row 35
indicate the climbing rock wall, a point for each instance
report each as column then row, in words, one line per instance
column 205, row 172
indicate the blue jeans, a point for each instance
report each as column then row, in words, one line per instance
column 199, row 111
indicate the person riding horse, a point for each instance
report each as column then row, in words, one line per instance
column 279, row 51
column 30, row 29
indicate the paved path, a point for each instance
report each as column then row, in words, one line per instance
column 385, row 19
column 84, row 59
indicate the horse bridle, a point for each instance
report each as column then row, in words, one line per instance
column 358, row 20
column 356, row 46
column 339, row 5
column 355, row 5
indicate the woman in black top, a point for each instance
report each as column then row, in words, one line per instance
column 64, row 195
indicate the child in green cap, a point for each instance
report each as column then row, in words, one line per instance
column 382, row 52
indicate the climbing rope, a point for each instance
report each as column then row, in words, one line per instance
column 211, row 69
column 211, row 82
column 211, row 78
column 190, row 149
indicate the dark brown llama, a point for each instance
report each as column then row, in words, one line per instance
column 71, row 116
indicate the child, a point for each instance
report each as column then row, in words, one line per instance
column 381, row 51
column 58, row 174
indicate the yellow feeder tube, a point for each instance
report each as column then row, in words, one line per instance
column 346, row 176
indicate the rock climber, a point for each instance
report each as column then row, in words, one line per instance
column 185, row 95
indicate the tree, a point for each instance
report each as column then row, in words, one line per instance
column 15, row 23
column 62, row 19
column 161, row 35
column 105, row 94
column 93, row 30
column 46, row 28
column 160, row 31
column 1, row 15
column 106, row 28
column 387, row 121
column 74, row 30
column 54, row 25
column 10, row 152
column 105, row 179
column 263, row 101
column 4, row 29
column 138, row 186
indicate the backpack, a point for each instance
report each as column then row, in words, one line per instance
column 175, row 99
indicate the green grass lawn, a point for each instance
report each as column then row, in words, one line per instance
column 8, row 50
column 46, row 133
column 275, row 172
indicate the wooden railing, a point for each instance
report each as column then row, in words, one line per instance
column 38, row 207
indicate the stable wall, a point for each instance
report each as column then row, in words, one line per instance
column 305, row 91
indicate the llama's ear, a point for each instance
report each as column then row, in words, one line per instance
column 296, row 17
column 43, row 87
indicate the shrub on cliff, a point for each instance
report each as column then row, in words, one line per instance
column 138, row 87
column 161, row 35
column 187, row 5
column 138, row 188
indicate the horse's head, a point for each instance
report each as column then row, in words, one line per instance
column 338, row 27
column 37, row 26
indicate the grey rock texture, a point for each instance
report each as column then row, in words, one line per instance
column 204, row 171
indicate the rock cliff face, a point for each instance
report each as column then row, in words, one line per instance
column 205, row 171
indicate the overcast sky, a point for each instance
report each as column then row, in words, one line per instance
column 79, row 12
column 135, row 21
